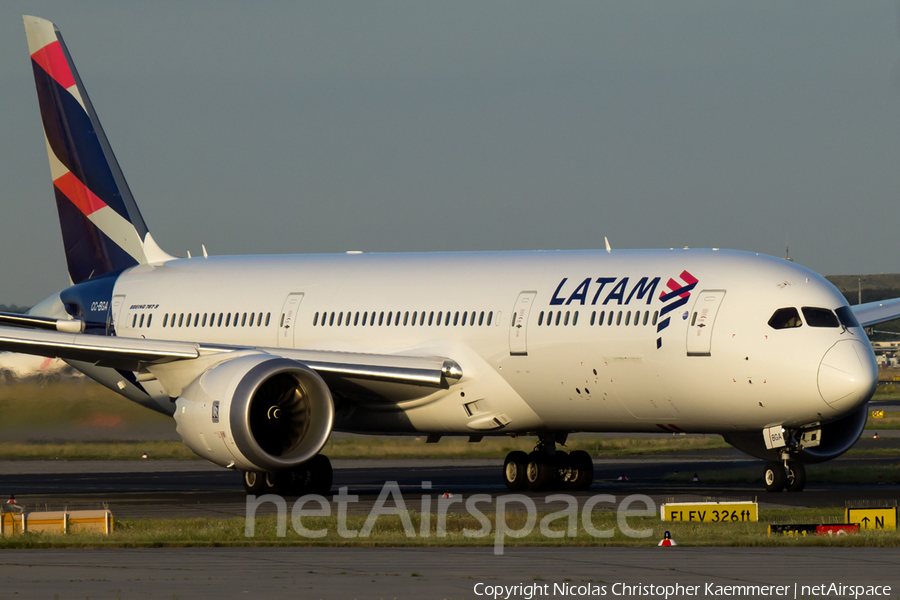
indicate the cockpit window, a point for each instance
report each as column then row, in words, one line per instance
column 848, row 319
column 819, row 317
column 785, row 318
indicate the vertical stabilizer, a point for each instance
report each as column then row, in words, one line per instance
column 103, row 230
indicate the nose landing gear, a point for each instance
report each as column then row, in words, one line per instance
column 788, row 474
column 546, row 468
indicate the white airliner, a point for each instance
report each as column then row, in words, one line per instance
column 260, row 358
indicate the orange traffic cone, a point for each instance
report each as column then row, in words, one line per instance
column 622, row 478
column 667, row 540
column 875, row 437
column 695, row 479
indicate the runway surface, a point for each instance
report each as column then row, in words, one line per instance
column 169, row 489
column 348, row 573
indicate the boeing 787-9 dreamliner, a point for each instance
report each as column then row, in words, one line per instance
column 260, row 358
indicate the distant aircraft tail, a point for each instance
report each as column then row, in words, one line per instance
column 103, row 230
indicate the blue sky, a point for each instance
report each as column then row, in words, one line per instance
column 304, row 127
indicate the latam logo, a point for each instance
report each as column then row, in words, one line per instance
column 677, row 296
column 619, row 291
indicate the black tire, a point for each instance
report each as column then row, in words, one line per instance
column 275, row 483
column 514, row 468
column 582, row 471
column 540, row 471
column 315, row 476
column 321, row 475
column 774, row 477
column 253, row 482
column 796, row 476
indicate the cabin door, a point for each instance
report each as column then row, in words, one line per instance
column 518, row 327
column 702, row 319
column 287, row 324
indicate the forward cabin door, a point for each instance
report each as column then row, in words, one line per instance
column 703, row 317
column 518, row 327
column 287, row 324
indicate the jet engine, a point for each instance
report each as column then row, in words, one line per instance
column 837, row 437
column 256, row 413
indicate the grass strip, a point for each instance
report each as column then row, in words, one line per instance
column 389, row 531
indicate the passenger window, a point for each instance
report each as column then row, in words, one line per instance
column 785, row 318
column 481, row 319
column 340, row 318
column 558, row 318
column 447, row 319
column 472, row 319
column 619, row 318
column 610, row 319
column 541, row 318
column 456, row 319
column 315, row 319
column 602, row 317
column 593, row 316
column 149, row 320
column 196, row 319
column 693, row 319
column 219, row 322
column 845, row 314
column 819, row 317
column 397, row 319
column 549, row 317
column 165, row 319
column 356, row 319
column 575, row 319
column 490, row 317
column 415, row 318
column 204, row 319
column 181, row 320
column 655, row 316
column 134, row 321
column 430, row 318
column 566, row 321
column 405, row 318
column 244, row 320
column 267, row 318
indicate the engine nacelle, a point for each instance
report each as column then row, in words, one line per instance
column 837, row 437
column 256, row 413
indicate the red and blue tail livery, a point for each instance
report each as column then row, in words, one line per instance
column 102, row 228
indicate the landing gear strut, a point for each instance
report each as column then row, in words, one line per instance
column 312, row 477
column 547, row 468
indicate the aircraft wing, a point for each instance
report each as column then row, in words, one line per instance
column 350, row 372
column 872, row 313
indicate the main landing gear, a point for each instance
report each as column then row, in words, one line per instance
column 547, row 468
column 312, row 477
column 788, row 474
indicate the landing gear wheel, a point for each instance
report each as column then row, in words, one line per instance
column 540, row 471
column 775, row 477
column 514, row 468
column 322, row 475
column 315, row 476
column 253, row 482
column 581, row 471
column 796, row 476
column 275, row 483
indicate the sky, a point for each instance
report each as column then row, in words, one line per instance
column 305, row 127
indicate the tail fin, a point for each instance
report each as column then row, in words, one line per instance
column 103, row 230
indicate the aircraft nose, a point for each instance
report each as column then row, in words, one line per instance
column 847, row 374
